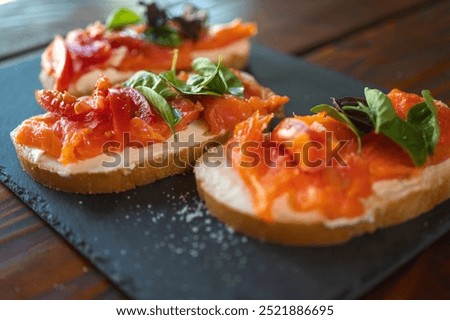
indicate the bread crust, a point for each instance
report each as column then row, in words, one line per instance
column 393, row 202
column 115, row 180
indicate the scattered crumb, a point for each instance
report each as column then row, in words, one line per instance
column 201, row 231
column 186, row 229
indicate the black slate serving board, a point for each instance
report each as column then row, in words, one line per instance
column 158, row 241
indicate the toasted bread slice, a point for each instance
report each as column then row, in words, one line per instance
column 234, row 55
column 392, row 202
column 122, row 171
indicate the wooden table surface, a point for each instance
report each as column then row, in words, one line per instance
column 403, row 43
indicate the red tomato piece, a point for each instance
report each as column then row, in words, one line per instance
column 62, row 103
column 127, row 103
column 61, row 63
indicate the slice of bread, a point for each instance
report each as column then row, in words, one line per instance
column 392, row 202
column 234, row 55
column 138, row 165
column 121, row 171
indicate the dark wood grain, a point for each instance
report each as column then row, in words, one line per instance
column 35, row 23
column 36, row 263
column 298, row 26
column 426, row 277
column 401, row 44
column 411, row 53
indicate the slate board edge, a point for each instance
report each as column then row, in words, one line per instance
column 36, row 203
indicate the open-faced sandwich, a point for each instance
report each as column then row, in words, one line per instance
column 362, row 164
column 129, row 43
column 152, row 126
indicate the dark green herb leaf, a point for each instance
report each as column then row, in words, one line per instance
column 380, row 106
column 198, row 85
column 150, row 80
column 356, row 110
column 361, row 116
column 234, row 84
column 340, row 116
column 433, row 123
column 164, row 36
column 204, row 66
column 121, row 18
column 211, row 79
column 220, row 79
column 183, row 87
column 408, row 138
column 424, row 117
column 405, row 134
column 171, row 78
column 171, row 115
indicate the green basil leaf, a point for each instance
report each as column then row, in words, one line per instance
column 434, row 131
column 195, row 82
column 121, row 18
column 234, row 84
column 216, row 83
column 424, row 117
column 409, row 138
column 183, row 87
column 204, row 66
column 212, row 78
column 340, row 116
column 171, row 115
column 405, row 134
column 164, row 36
column 150, row 80
column 426, row 94
column 197, row 85
column 220, row 79
column 380, row 106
